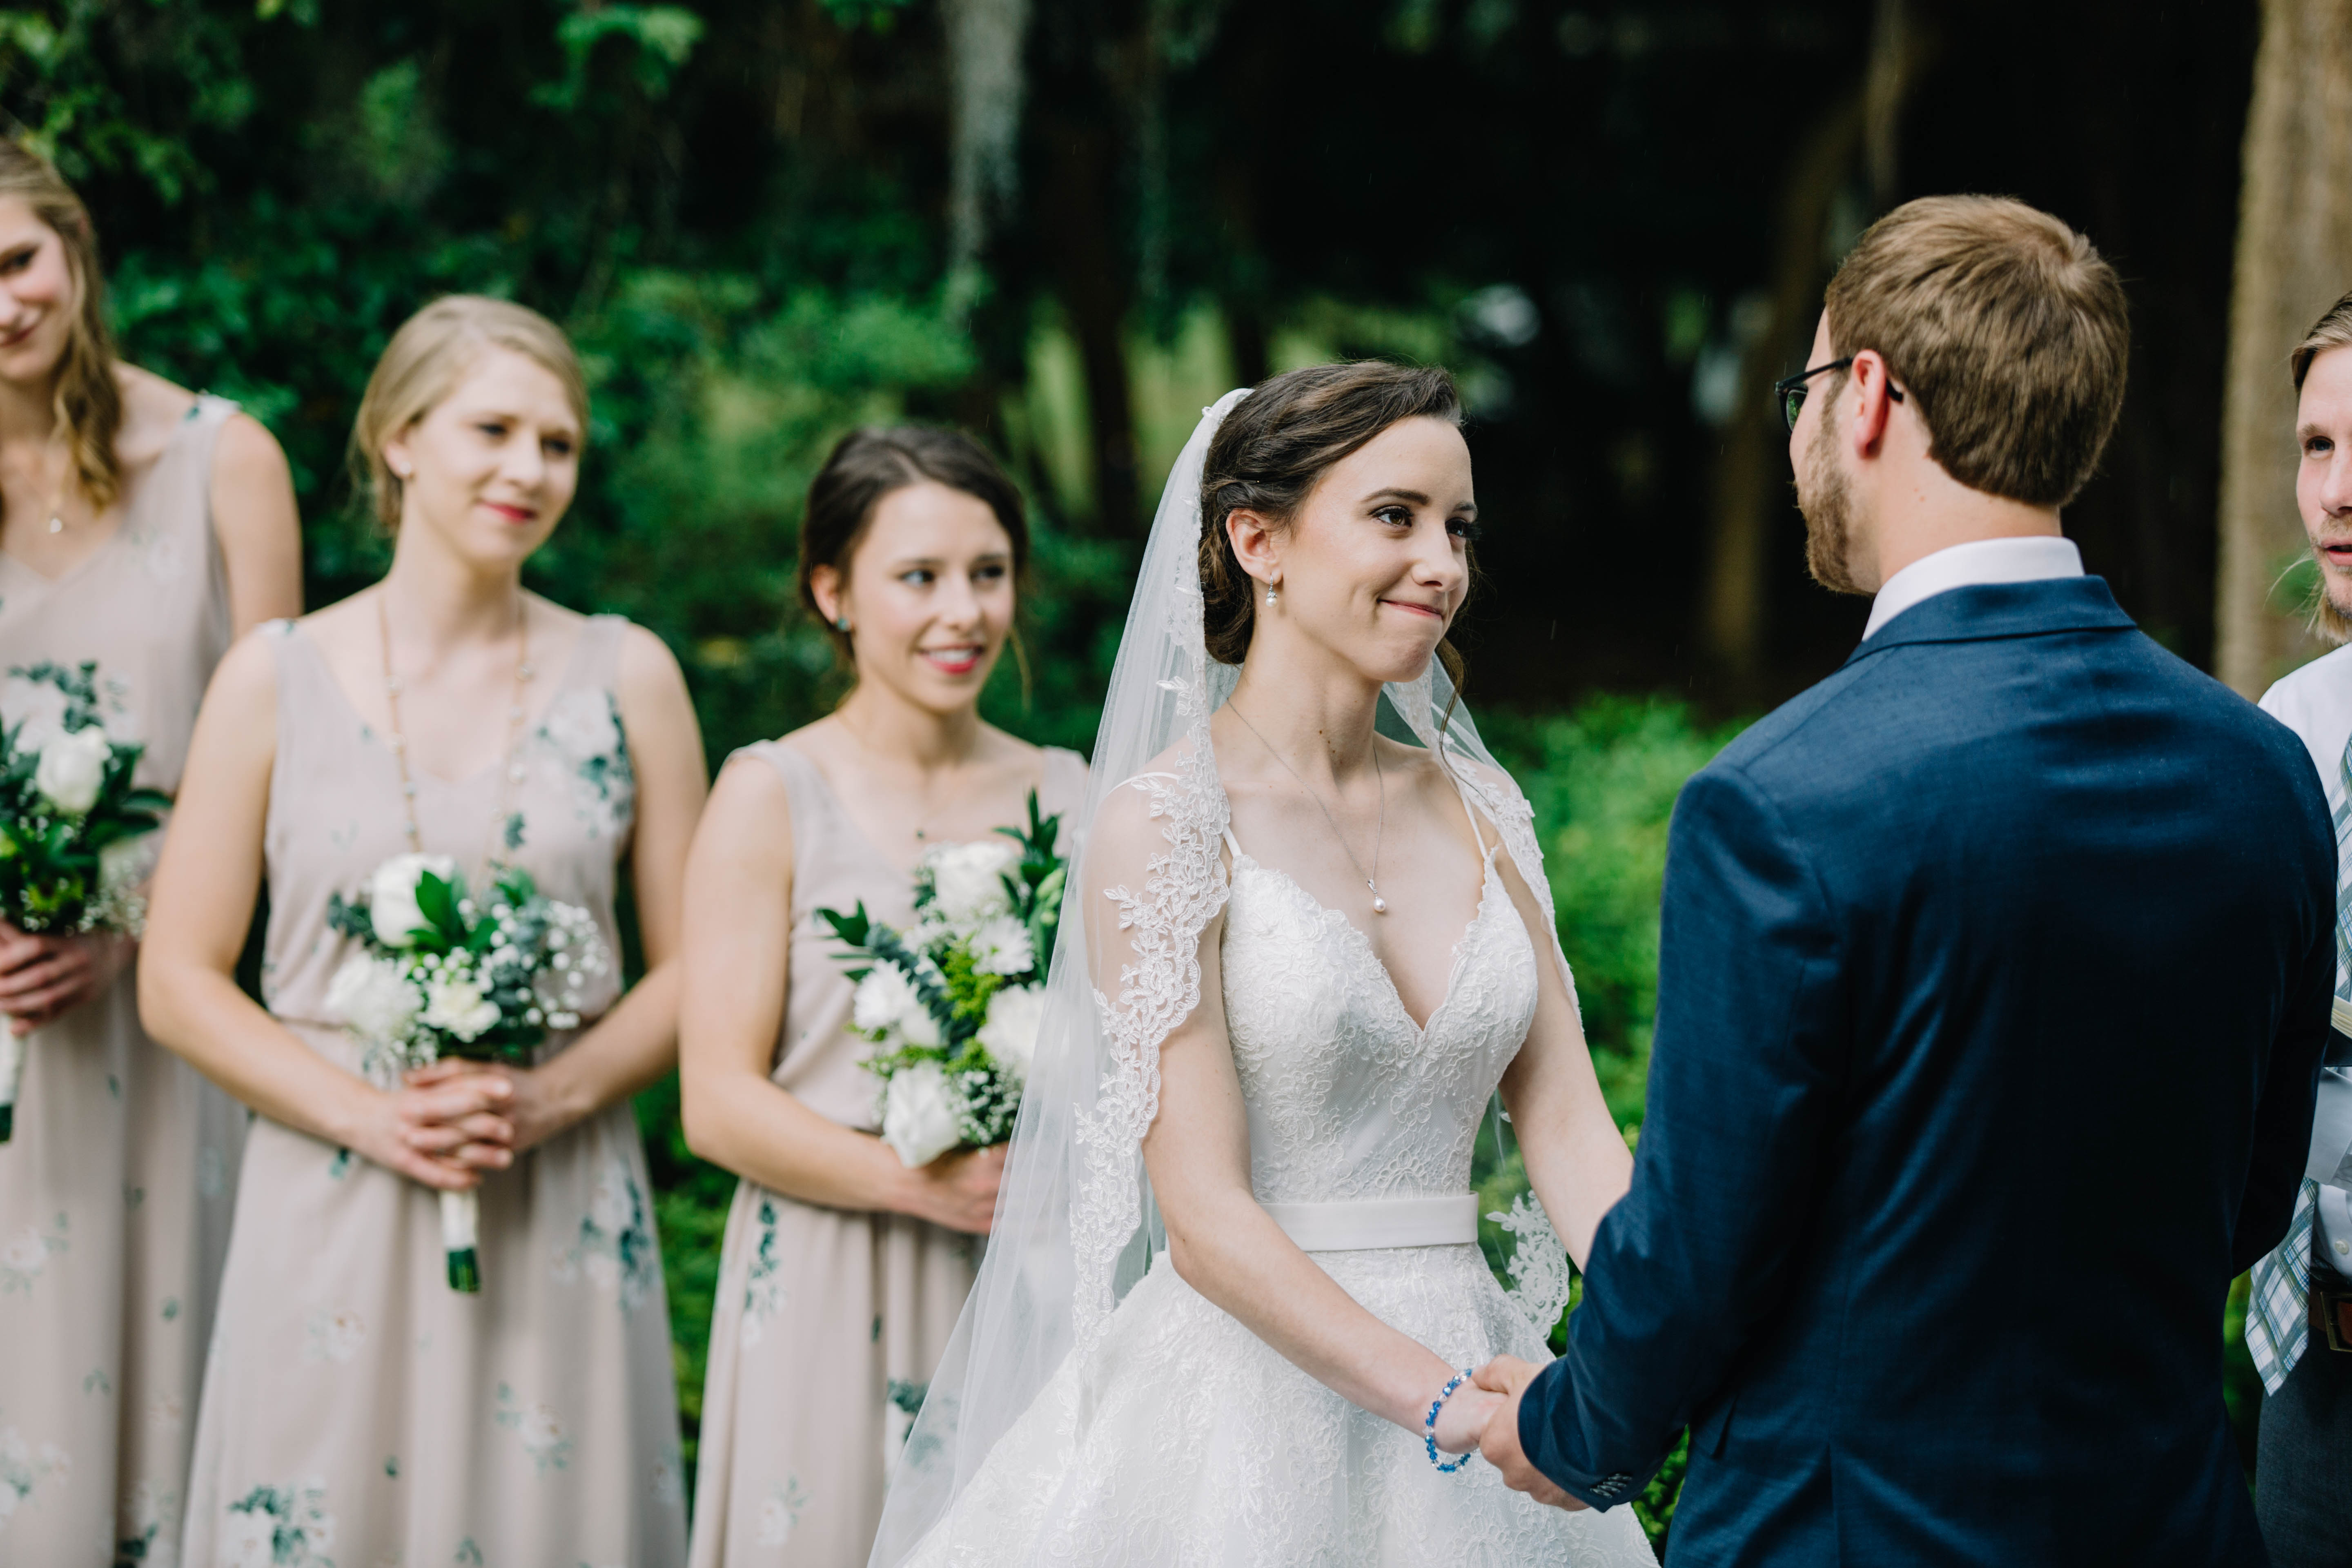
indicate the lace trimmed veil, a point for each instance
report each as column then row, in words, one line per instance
column 1075, row 1222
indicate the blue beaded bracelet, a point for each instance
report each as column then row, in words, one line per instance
column 1429, row 1426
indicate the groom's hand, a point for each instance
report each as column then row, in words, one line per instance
column 1510, row 1376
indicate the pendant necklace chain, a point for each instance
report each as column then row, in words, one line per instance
column 1380, row 904
column 510, row 771
column 922, row 824
column 57, row 507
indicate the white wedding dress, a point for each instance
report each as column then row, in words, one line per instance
column 1178, row 1436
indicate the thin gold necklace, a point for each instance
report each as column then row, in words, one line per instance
column 509, row 772
column 923, row 823
column 1380, row 904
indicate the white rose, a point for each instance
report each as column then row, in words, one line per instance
column 919, row 1114
column 458, row 1007
column 1010, row 1032
column 373, row 997
column 72, row 767
column 1001, row 946
column 887, row 999
column 392, row 895
column 968, row 879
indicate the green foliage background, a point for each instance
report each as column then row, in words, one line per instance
column 736, row 207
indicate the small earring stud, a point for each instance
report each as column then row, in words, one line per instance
column 841, row 625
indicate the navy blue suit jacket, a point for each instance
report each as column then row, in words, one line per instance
column 1995, row 978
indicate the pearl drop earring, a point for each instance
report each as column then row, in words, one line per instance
column 1272, row 594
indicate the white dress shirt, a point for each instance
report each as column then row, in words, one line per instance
column 2026, row 560
column 2315, row 702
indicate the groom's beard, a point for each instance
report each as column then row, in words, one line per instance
column 1827, row 503
column 2328, row 620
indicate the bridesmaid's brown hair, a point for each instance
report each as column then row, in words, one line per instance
column 88, row 401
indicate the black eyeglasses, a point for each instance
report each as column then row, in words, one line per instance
column 1791, row 389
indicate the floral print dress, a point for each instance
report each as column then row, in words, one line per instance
column 115, row 1191
column 356, row 1410
column 828, row 1323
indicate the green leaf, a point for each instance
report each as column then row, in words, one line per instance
column 436, row 900
column 852, row 928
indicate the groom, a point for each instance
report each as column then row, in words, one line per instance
column 1995, row 976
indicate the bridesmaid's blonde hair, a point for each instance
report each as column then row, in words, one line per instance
column 424, row 363
column 88, row 401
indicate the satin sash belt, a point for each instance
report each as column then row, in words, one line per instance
column 1448, row 1220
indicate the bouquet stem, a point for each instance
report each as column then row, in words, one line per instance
column 12, row 1068
column 461, row 1222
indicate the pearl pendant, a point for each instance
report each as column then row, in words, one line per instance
column 1380, row 904
column 57, row 525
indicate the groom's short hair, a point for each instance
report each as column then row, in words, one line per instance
column 2005, row 327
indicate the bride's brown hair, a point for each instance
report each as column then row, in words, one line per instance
column 88, row 401
column 1274, row 447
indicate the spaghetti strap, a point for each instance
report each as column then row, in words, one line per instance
column 1233, row 843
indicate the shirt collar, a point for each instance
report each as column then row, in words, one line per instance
column 2025, row 560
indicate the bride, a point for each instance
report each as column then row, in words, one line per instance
column 1234, row 1281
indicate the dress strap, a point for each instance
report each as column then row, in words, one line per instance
column 598, row 661
column 1233, row 843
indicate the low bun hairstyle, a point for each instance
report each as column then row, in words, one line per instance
column 1274, row 448
column 867, row 465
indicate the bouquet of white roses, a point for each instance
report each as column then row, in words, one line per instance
column 73, row 831
column 956, row 1003
column 439, row 973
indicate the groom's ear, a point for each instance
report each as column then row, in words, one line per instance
column 1252, row 536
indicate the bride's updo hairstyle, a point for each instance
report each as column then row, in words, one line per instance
column 868, row 464
column 1275, row 448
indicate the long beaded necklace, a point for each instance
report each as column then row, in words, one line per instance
column 509, row 772
column 1380, row 904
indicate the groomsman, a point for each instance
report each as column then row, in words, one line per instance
column 2299, row 1322
column 1993, row 987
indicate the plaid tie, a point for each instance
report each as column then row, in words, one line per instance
column 2278, row 1321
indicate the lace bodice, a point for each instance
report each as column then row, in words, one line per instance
column 1346, row 1097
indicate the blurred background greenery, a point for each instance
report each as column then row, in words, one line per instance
column 1066, row 225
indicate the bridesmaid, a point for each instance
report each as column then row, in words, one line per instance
column 354, row 1404
column 843, row 1270
column 141, row 525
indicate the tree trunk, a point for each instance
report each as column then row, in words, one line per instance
column 1750, row 473
column 2294, row 258
column 983, row 43
column 1095, row 291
